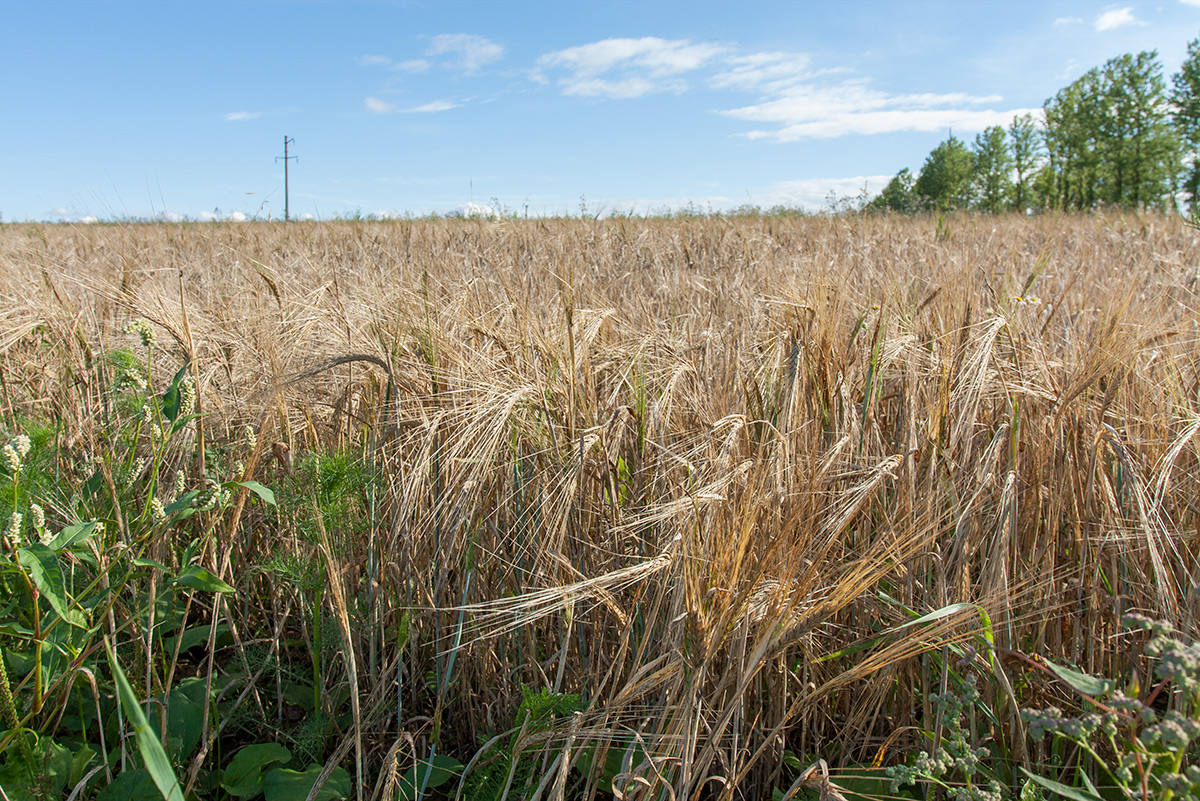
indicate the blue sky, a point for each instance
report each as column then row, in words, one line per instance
column 132, row 109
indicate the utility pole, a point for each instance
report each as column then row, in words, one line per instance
column 285, row 157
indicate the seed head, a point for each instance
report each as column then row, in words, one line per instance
column 144, row 330
column 187, row 396
column 22, row 445
column 12, row 459
column 12, row 534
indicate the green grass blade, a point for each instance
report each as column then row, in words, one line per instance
column 151, row 749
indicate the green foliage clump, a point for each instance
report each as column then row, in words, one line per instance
column 511, row 768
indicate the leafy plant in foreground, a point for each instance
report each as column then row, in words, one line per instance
column 955, row 758
column 1147, row 754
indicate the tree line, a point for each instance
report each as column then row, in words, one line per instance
column 1118, row 136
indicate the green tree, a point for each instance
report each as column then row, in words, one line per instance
column 1026, row 157
column 1109, row 138
column 991, row 165
column 945, row 180
column 897, row 195
column 1185, row 96
column 1140, row 146
column 1071, row 142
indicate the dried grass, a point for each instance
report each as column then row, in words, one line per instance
column 672, row 465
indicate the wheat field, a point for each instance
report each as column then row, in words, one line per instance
column 704, row 473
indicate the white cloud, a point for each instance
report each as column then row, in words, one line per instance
column 430, row 108
column 64, row 214
column 1061, row 21
column 764, row 71
column 624, row 68
column 377, row 106
column 233, row 216
column 473, row 210
column 472, row 51
column 412, row 65
column 812, row 193
column 1117, row 18
column 242, row 116
column 619, row 90
column 809, row 111
column 374, row 61
column 1190, row 2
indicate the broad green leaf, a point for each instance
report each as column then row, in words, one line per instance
column 79, row 764
column 189, row 553
column 196, row 635
column 151, row 749
column 1073, row 793
column 185, row 716
column 143, row 562
column 135, row 784
column 94, row 484
column 184, row 503
column 173, row 397
column 197, row 578
column 282, row 784
column 614, row 761
column 244, row 776
column 55, row 760
column 72, row 535
column 47, row 576
column 178, row 425
column 267, row 495
column 1082, row 682
column 432, row 773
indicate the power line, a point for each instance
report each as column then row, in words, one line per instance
column 286, row 157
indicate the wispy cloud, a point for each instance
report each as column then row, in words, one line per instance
column 814, row 193
column 242, row 116
column 770, row 72
column 431, row 108
column 812, row 111
column 795, row 99
column 1064, row 21
column 471, row 52
column 626, row 68
column 1190, row 2
column 1117, row 18
column 377, row 106
column 1071, row 67
column 412, row 65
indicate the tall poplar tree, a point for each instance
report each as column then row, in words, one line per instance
column 1025, row 141
column 991, row 164
column 1185, row 96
